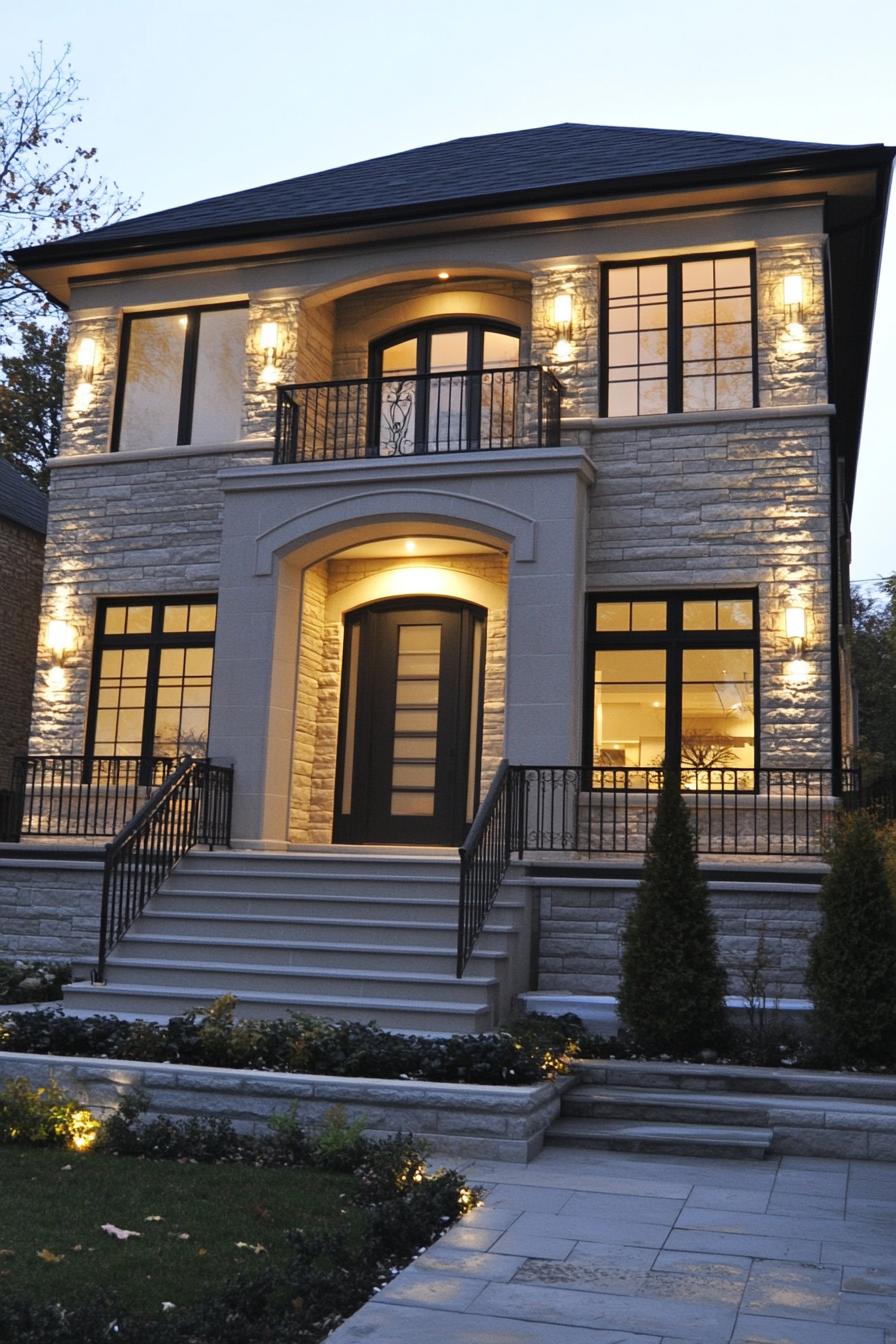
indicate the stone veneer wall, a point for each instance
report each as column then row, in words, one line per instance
column 21, row 565
column 50, row 908
column 116, row 529
column 314, row 775
column 581, row 923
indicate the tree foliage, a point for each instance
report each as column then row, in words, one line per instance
column 672, row 987
column 852, row 959
column 31, row 381
column 49, row 187
column 874, row 669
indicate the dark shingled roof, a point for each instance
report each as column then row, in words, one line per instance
column 514, row 164
column 21, row 502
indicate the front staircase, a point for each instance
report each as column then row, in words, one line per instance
column 364, row 935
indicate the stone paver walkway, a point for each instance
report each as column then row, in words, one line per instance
column 587, row 1247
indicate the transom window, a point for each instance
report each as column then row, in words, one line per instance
column 679, row 335
column 152, row 677
column 181, row 377
column 673, row 677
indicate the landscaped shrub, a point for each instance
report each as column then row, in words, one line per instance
column 297, row 1044
column 32, row 981
column 672, row 986
column 852, row 959
column 43, row 1115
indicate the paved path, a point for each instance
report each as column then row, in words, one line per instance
column 585, row 1247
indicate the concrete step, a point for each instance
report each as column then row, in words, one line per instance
column 347, row 904
column 284, row 953
column 723, row 1079
column 630, row 1136
column 238, row 978
column 162, row 1001
column 307, row 926
column 673, row 1107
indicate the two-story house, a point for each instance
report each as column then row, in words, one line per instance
column 534, row 447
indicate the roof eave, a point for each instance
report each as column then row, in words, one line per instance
column 870, row 156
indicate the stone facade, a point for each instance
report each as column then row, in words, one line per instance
column 21, row 557
column 50, row 909
column 581, row 923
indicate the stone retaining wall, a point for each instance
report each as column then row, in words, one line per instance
column 465, row 1120
column 581, row 922
column 50, row 909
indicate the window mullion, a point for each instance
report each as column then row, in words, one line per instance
column 675, row 318
column 188, row 380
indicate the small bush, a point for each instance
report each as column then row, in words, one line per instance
column 672, row 986
column 32, row 981
column 43, row 1115
column 852, row 958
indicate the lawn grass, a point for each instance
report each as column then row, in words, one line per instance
column 55, row 1201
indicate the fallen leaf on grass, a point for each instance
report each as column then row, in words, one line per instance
column 49, row 1257
column 167, row 1306
column 257, row 1249
column 200, row 1250
column 4, row 1252
column 67, row 1167
column 153, row 1218
column 181, row 1236
column 119, row 1233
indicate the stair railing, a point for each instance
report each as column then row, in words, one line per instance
column 192, row 807
column 484, row 857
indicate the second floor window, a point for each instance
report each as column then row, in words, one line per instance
column 679, row 335
column 181, row 377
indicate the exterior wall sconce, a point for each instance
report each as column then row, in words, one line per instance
column 563, row 324
column 61, row 640
column 796, row 669
column 793, row 304
column 269, row 340
column 86, row 365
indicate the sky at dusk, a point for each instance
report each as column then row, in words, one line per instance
column 186, row 99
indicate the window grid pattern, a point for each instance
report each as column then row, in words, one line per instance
column 152, row 678
column 717, row 334
column 637, row 340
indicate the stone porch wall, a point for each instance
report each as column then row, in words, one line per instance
column 581, row 923
column 50, row 909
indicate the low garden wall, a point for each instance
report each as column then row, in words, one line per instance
column 582, row 918
column 504, row 1124
column 50, row 908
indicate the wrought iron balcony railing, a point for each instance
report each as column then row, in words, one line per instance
column 406, row 415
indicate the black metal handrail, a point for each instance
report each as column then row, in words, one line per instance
column 877, row 795
column 87, row 797
column 484, row 857
column 192, row 807
column 402, row 415
column 610, row 809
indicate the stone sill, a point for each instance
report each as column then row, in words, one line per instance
column 465, row 1119
column 164, row 454
column 607, row 424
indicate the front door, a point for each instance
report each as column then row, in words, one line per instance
column 410, row 723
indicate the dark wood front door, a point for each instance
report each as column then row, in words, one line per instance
column 410, row 723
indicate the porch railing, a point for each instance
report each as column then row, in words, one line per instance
column 609, row 810
column 192, row 807
column 417, row 414
column 484, row 857
column 88, row 797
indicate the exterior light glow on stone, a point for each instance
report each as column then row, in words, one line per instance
column 61, row 640
column 268, row 340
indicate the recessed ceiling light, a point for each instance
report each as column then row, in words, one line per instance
column 444, row 275
column 410, row 546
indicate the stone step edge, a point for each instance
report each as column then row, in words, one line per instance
column 173, row 940
column 645, row 1131
column 323, row 921
column 726, row 1102
column 315, row 972
column 717, row 1077
column 287, row 1000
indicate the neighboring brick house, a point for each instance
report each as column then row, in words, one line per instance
column 538, row 445
column 23, row 527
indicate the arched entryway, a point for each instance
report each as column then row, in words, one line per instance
column 410, row 728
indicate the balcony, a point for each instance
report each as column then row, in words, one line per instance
column 476, row 410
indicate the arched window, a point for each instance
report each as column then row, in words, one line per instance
column 446, row 386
